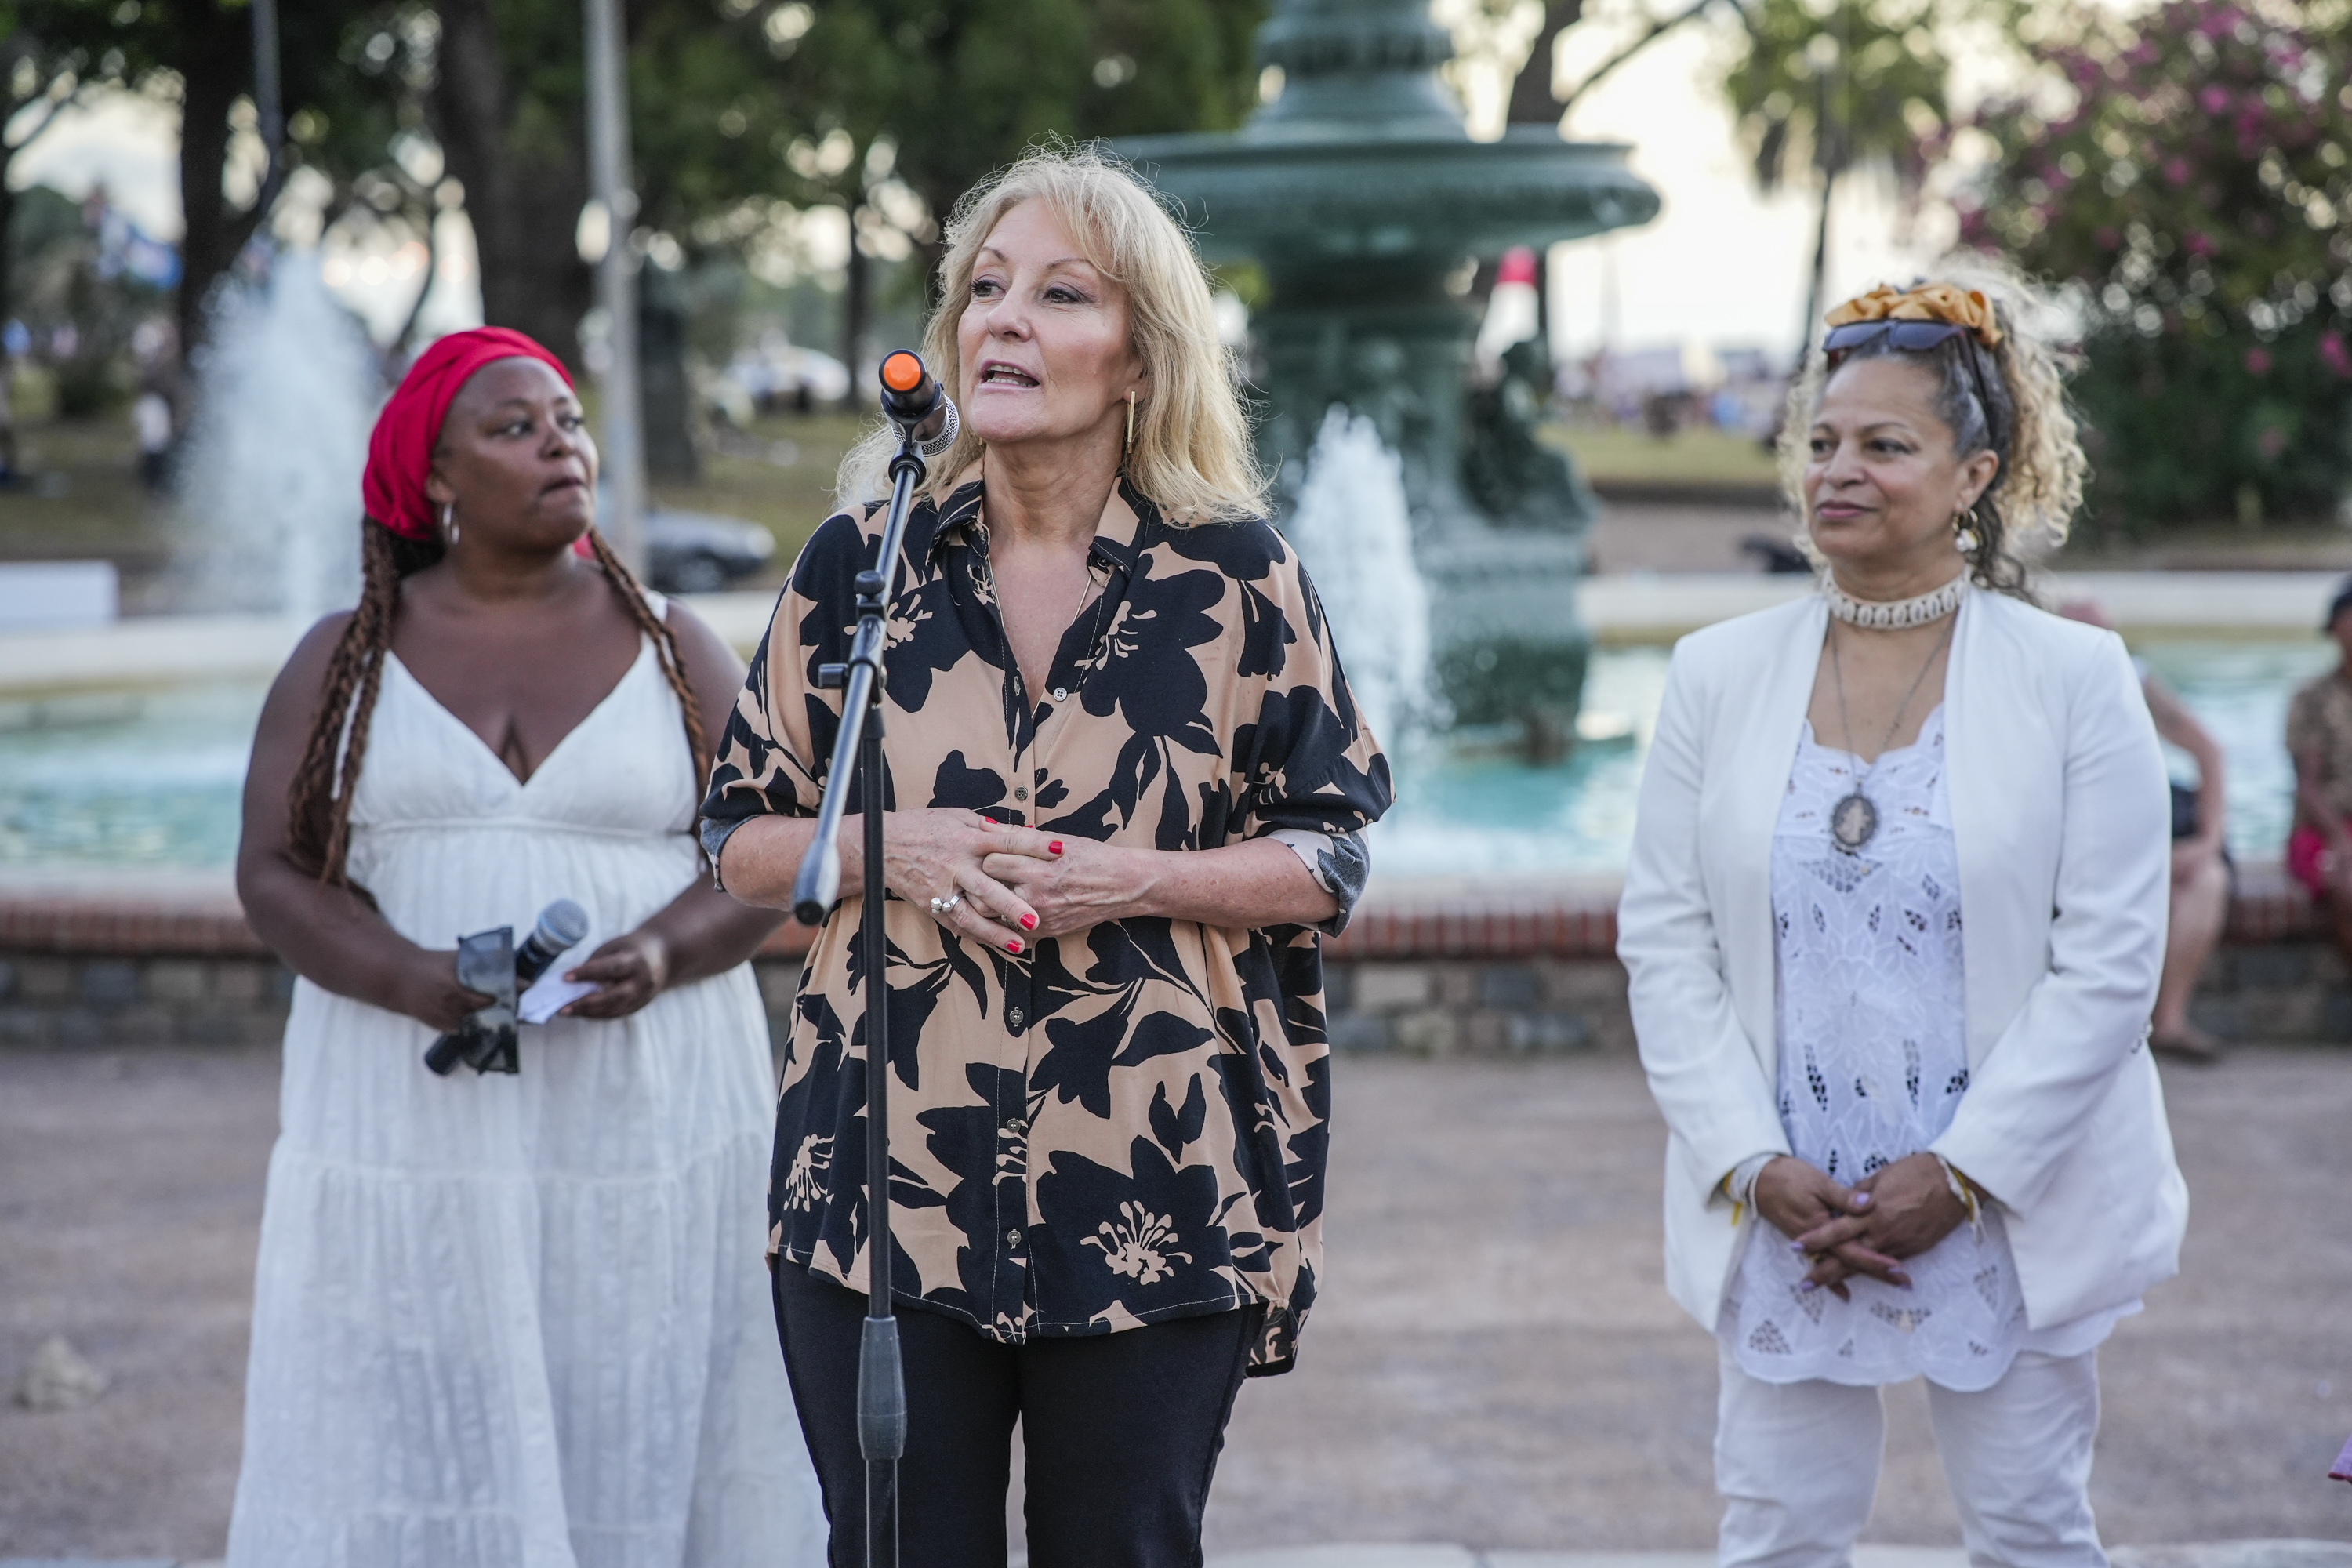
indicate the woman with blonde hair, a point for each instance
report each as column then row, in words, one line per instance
column 1949, row 1127
column 1129, row 786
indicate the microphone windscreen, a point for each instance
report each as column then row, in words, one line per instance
column 561, row 924
column 949, row 427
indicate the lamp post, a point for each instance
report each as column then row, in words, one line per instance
column 616, row 283
column 268, row 107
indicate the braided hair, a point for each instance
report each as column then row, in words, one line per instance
column 318, row 803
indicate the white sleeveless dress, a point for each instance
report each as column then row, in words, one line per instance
column 522, row 1321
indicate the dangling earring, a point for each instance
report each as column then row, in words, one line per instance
column 1963, row 533
column 449, row 523
column 1128, row 450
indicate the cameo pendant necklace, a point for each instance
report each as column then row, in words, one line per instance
column 1853, row 820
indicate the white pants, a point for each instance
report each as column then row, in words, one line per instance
column 1797, row 1463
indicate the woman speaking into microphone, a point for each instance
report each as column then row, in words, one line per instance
column 1128, row 784
column 506, row 1320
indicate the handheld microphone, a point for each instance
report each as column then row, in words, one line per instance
column 561, row 926
column 485, row 1042
column 914, row 400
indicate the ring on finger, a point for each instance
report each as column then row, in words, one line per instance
column 945, row 906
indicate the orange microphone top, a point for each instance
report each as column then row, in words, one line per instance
column 902, row 372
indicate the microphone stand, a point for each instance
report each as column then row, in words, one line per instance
column 881, row 1383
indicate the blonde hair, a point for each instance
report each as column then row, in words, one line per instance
column 1191, row 455
column 2032, row 502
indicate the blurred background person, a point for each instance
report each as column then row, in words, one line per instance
column 1949, row 1128
column 503, row 1320
column 2201, row 873
column 151, row 421
column 2319, row 739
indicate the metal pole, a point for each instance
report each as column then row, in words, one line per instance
column 269, row 105
column 881, row 1376
column 881, row 1379
column 616, row 283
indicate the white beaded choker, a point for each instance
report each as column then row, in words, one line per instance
column 1880, row 617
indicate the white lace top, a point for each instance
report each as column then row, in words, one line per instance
column 1873, row 1061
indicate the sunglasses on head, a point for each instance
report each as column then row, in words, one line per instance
column 1909, row 336
column 1912, row 337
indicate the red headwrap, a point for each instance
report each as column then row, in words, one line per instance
column 400, row 452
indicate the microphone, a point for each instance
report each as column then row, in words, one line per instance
column 485, row 1041
column 561, row 926
column 914, row 400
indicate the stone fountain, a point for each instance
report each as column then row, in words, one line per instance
column 1361, row 196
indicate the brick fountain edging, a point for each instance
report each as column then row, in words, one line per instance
column 1432, row 969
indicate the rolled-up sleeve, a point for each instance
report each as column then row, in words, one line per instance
column 1309, row 772
column 771, row 760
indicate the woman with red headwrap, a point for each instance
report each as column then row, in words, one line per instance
column 505, row 1320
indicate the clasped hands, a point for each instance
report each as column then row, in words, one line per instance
column 1895, row 1213
column 1005, row 885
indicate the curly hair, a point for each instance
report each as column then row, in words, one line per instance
column 318, row 802
column 1192, row 453
column 2030, row 427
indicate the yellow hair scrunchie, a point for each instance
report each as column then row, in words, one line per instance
column 1943, row 303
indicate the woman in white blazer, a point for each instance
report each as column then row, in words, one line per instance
column 1894, row 922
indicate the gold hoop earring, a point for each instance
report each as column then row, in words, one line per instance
column 449, row 523
column 1128, row 450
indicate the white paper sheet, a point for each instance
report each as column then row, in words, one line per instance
column 549, row 995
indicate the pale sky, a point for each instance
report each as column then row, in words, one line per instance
column 1721, row 266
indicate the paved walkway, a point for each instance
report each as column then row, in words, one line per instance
column 1495, row 1365
column 2222, row 1554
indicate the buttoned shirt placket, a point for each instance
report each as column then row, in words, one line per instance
column 1030, row 730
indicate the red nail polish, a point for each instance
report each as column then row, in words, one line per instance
column 1028, row 922
column 1013, row 946
column 1056, row 846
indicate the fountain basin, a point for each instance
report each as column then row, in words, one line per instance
column 1297, row 201
column 147, row 779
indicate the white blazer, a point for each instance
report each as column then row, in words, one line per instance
column 2061, row 822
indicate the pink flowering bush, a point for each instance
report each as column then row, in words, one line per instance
column 2188, row 172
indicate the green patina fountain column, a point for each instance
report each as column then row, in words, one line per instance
column 1361, row 196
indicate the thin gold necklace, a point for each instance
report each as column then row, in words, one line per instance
column 1853, row 820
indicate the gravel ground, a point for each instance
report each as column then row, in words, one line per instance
column 1494, row 1363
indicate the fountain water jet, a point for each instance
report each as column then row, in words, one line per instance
column 1360, row 192
column 1350, row 526
column 288, row 386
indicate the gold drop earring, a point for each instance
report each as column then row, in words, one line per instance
column 1964, row 536
column 1128, row 450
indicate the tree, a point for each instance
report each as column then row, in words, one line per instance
column 508, row 105
column 1859, row 83
column 198, row 52
column 54, row 55
column 929, row 96
column 2186, row 172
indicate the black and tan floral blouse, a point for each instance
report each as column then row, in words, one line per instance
column 1129, row 1123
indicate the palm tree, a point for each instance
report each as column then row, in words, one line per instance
column 1859, row 84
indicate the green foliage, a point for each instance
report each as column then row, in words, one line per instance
column 958, row 89
column 2186, row 172
column 1858, row 81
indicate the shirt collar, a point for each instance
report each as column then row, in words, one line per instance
column 1125, row 519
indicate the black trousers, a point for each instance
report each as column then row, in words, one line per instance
column 1119, row 1431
